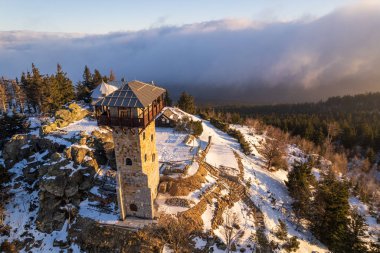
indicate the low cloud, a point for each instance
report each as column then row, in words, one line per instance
column 225, row 61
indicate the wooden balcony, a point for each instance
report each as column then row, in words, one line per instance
column 104, row 120
column 149, row 114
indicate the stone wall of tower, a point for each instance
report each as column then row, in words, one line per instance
column 138, row 177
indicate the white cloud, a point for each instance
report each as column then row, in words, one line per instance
column 336, row 54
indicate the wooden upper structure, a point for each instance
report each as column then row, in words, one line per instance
column 134, row 105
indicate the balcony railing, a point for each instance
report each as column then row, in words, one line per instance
column 105, row 120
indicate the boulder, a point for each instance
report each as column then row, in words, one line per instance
column 55, row 157
column 78, row 154
column 50, row 216
column 16, row 149
column 54, row 185
column 92, row 164
column 104, row 136
column 71, row 189
column 30, row 173
column 64, row 115
column 87, row 183
column 61, row 123
column 42, row 144
column 68, row 153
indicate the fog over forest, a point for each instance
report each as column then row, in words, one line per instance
column 232, row 61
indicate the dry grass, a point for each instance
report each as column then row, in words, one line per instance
column 184, row 186
column 240, row 165
column 194, row 214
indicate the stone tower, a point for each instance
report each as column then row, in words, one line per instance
column 131, row 111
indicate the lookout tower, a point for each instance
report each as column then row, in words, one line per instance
column 131, row 111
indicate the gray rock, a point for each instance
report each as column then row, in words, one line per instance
column 14, row 151
column 78, row 154
column 54, row 185
column 71, row 189
column 55, row 156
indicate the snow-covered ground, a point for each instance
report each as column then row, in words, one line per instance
column 22, row 220
column 373, row 226
column 86, row 125
column 221, row 151
column 267, row 190
column 171, row 146
column 20, row 215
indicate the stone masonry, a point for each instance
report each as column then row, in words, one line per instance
column 138, row 175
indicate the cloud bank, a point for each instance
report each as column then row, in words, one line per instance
column 225, row 61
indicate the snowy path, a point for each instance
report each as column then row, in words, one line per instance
column 221, row 152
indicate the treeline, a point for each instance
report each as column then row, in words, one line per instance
column 34, row 92
column 357, row 119
column 46, row 93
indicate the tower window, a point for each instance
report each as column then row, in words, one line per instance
column 143, row 135
column 146, row 157
column 128, row 161
column 133, row 207
column 153, row 157
column 151, row 137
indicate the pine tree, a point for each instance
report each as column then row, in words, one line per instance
column 168, row 101
column 65, row 86
column 87, row 77
column 357, row 233
column 329, row 221
column 281, row 231
column 10, row 125
column 97, row 79
column 33, row 88
column 85, row 87
column 112, row 76
column 51, row 95
column 299, row 182
column 291, row 245
column 186, row 103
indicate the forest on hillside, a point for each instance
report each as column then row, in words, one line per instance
column 350, row 121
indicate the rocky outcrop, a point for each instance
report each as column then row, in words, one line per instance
column 111, row 238
column 64, row 183
column 102, row 143
column 16, row 149
column 64, row 117
column 20, row 147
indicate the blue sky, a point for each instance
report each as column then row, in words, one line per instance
column 95, row 16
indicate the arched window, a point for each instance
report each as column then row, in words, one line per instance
column 128, row 161
column 153, row 157
column 133, row 207
column 151, row 137
column 143, row 135
column 146, row 157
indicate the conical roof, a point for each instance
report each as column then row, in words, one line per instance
column 132, row 94
column 102, row 90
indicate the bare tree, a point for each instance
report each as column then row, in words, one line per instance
column 230, row 229
column 176, row 232
column 273, row 149
column 3, row 97
column 333, row 130
column 20, row 96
